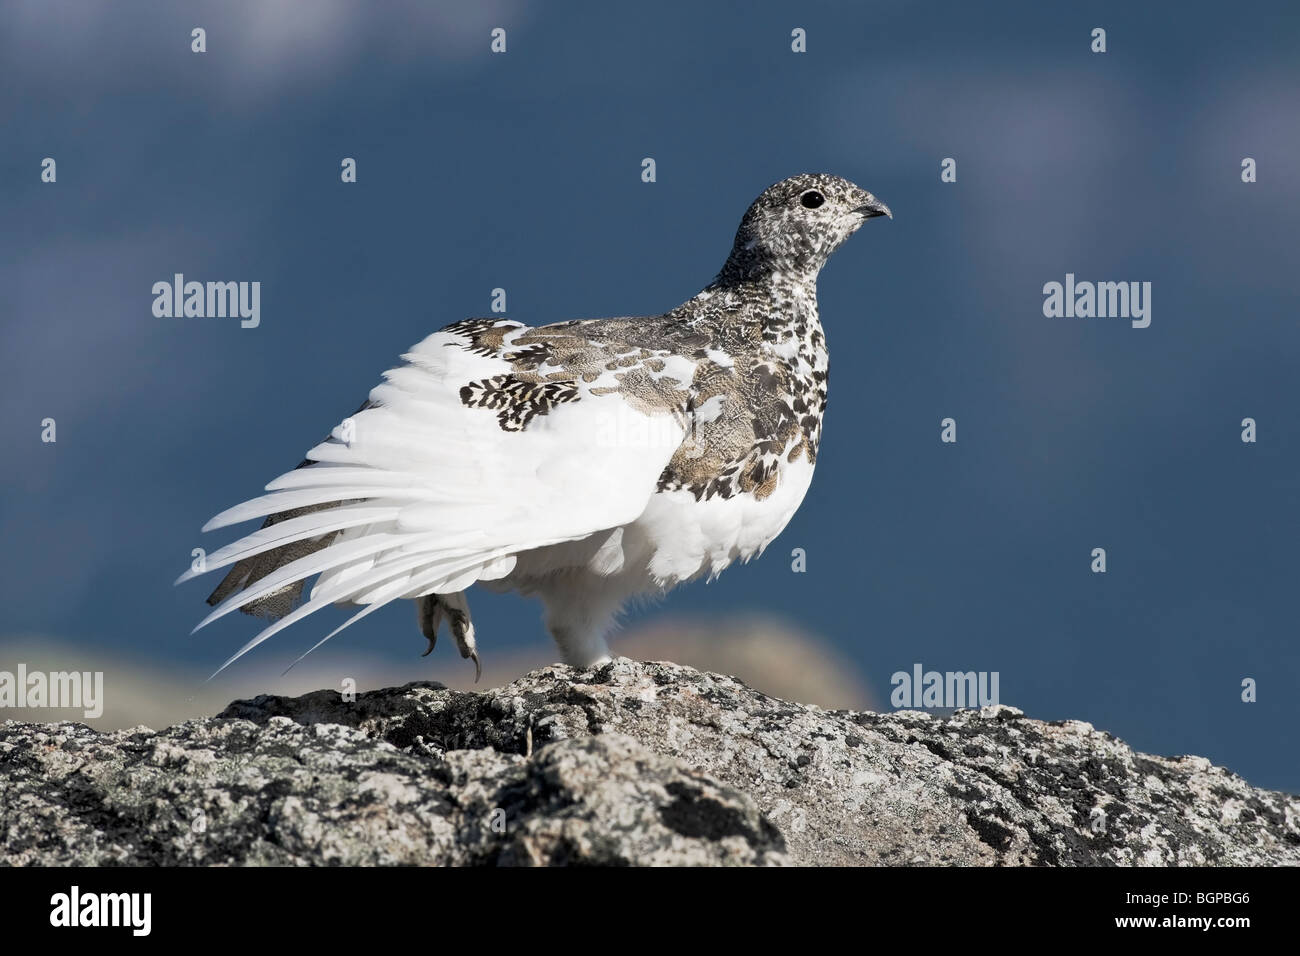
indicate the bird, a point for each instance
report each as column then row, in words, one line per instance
column 586, row 463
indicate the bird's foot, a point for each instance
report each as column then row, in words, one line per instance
column 432, row 608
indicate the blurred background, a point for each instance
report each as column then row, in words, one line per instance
column 522, row 170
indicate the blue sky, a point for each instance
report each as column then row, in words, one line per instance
column 522, row 171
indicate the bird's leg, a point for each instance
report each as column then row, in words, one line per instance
column 578, row 618
column 432, row 608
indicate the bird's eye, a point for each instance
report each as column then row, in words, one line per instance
column 812, row 199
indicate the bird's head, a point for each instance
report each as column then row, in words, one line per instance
column 795, row 225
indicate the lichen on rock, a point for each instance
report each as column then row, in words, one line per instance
column 628, row 764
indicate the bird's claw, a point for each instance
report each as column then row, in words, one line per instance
column 464, row 635
column 433, row 608
column 429, row 612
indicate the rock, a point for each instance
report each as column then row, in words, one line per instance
column 632, row 763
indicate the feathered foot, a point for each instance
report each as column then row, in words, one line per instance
column 432, row 608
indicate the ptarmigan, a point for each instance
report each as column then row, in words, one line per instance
column 585, row 462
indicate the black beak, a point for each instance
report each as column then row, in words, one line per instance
column 872, row 208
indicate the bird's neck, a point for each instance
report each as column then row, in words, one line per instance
column 747, row 265
column 792, row 327
column 780, row 310
column 787, row 302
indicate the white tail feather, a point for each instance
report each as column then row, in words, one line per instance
column 326, row 475
column 281, row 501
column 287, row 532
column 300, row 569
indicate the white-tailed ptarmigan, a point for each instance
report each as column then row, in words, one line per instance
column 585, row 462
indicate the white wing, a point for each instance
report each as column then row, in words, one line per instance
column 419, row 494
